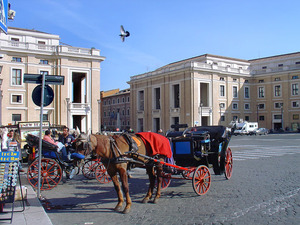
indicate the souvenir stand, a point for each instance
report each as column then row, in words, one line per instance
column 9, row 177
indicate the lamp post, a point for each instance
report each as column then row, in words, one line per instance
column 281, row 108
column 99, row 112
column 68, row 111
column 221, row 106
column 257, row 107
column 201, row 105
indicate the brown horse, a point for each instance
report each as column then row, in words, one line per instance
column 115, row 153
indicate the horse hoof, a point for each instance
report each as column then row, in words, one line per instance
column 125, row 211
column 155, row 201
column 145, row 200
column 118, row 208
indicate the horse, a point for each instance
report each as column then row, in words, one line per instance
column 116, row 152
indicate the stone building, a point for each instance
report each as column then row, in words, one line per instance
column 115, row 109
column 216, row 90
column 34, row 52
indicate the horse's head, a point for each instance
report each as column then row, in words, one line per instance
column 82, row 144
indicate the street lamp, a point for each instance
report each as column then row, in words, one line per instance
column 221, row 106
column 68, row 111
column 281, row 108
column 201, row 105
column 257, row 107
column 99, row 111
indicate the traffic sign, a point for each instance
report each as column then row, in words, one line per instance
column 49, row 79
column 3, row 15
column 48, row 95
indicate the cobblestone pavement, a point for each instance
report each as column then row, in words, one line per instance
column 264, row 189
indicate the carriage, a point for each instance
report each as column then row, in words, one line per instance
column 52, row 165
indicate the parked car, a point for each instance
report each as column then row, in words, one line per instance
column 262, row 131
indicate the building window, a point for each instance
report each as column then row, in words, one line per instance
column 16, row 59
column 295, row 77
column 280, row 65
column 234, row 106
column 261, row 118
column 278, row 105
column 128, row 99
column 16, row 99
column 118, row 100
column 247, row 92
column 123, row 99
column 261, row 92
column 295, row 104
column 176, row 96
column 156, row 98
column 261, row 106
column 247, row 106
column 222, row 118
column 235, row 118
column 264, row 68
column 295, row 89
column 235, row 92
column 247, row 118
column 45, row 117
column 43, row 61
column 277, row 90
column 246, row 81
column 41, row 45
column 141, row 100
column 295, row 116
column 261, row 81
column 44, row 73
column 234, row 79
column 128, row 112
column 277, row 79
column 222, row 90
column 297, row 63
column 277, row 117
column 16, row 77
column 222, row 105
column 222, row 78
column 16, row 117
column 15, row 42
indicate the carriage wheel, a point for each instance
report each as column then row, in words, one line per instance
column 89, row 169
column 201, row 180
column 228, row 163
column 101, row 174
column 166, row 180
column 51, row 174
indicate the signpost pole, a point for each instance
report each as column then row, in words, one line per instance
column 40, row 143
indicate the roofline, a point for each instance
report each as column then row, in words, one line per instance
column 274, row 56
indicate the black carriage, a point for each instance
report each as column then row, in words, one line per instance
column 203, row 145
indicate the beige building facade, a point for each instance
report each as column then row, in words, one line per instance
column 216, row 90
column 33, row 52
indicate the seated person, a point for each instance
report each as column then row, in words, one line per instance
column 60, row 146
column 66, row 139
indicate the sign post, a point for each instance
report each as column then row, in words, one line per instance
column 44, row 80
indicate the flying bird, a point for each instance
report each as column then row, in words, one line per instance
column 124, row 33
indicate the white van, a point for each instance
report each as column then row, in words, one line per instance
column 246, row 128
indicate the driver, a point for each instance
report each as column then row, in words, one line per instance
column 66, row 139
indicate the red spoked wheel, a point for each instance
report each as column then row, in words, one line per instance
column 201, row 180
column 166, row 180
column 51, row 174
column 89, row 168
column 228, row 163
column 101, row 174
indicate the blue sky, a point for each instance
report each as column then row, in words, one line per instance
column 164, row 31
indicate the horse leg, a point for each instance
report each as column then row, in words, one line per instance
column 159, row 170
column 115, row 180
column 125, row 187
column 151, row 175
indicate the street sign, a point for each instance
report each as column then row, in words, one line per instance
column 3, row 15
column 49, row 79
column 48, row 95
